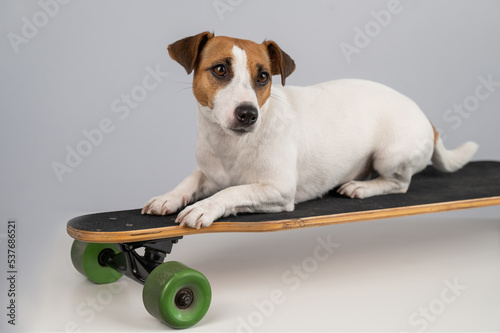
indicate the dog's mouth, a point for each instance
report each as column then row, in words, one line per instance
column 241, row 131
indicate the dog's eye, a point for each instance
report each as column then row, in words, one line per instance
column 219, row 70
column 263, row 78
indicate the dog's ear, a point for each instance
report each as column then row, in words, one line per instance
column 281, row 63
column 186, row 50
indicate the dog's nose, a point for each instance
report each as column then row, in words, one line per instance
column 246, row 114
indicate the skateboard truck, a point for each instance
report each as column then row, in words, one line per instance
column 131, row 264
column 177, row 295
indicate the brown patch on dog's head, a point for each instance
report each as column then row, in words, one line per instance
column 209, row 56
column 205, row 82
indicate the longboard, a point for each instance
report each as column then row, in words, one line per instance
column 105, row 243
column 476, row 185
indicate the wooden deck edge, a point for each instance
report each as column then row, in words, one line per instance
column 307, row 222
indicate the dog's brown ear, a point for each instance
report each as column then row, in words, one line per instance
column 281, row 63
column 186, row 50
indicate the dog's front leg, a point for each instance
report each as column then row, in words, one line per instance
column 250, row 198
column 194, row 187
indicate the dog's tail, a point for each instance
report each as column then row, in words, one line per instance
column 452, row 160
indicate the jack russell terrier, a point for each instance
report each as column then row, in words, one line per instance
column 264, row 148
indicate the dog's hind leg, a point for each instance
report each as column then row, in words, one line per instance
column 392, row 180
column 395, row 167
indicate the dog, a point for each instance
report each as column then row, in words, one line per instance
column 263, row 147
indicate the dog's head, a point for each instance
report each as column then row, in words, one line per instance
column 232, row 77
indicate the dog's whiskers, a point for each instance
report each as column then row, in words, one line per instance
column 183, row 89
column 180, row 82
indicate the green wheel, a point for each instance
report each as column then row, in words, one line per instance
column 177, row 295
column 85, row 258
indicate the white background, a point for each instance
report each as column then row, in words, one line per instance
column 82, row 57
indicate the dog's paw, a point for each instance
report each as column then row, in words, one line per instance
column 164, row 204
column 200, row 214
column 354, row 189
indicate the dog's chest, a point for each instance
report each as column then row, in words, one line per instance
column 230, row 162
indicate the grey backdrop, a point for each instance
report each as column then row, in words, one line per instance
column 67, row 69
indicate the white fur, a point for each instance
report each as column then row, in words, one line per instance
column 452, row 160
column 307, row 141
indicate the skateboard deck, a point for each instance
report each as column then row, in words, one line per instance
column 475, row 185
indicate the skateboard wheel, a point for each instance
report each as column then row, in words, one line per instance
column 177, row 295
column 85, row 258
